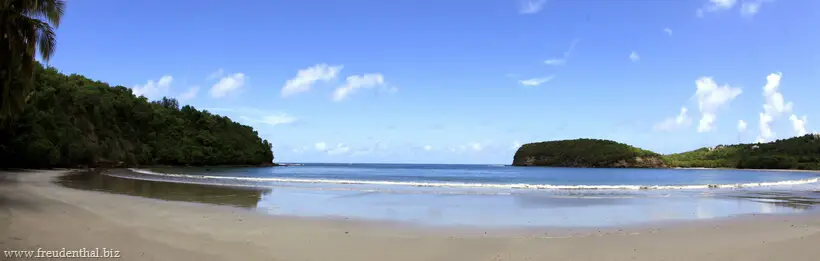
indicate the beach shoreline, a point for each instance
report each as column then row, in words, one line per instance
column 36, row 213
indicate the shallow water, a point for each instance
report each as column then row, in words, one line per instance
column 267, row 190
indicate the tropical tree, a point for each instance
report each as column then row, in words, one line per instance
column 27, row 27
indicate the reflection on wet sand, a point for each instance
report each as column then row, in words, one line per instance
column 577, row 208
column 220, row 195
column 783, row 199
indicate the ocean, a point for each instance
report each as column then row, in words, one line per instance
column 476, row 195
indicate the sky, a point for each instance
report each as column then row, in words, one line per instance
column 458, row 81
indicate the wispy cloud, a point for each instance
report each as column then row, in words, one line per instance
column 154, row 90
column 555, row 62
column 228, row 84
column 216, row 74
column 741, row 126
column 715, row 5
column 751, row 8
column 354, row 82
column 667, row 31
column 535, row 81
column 258, row 116
column 566, row 55
column 682, row 120
column 532, row 6
column 305, row 78
column 634, row 57
column 189, row 94
column 273, row 120
column 748, row 8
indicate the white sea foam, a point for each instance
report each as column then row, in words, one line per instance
column 483, row 185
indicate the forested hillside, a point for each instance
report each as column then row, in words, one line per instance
column 72, row 121
column 588, row 153
column 794, row 153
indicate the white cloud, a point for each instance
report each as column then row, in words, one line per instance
column 679, row 121
column 215, row 75
column 305, row 78
column 320, row 146
column 722, row 4
column 555, row 62
column 273, row 120
column 152, row 90
column 356, row 82
column 227, row 84
column 634, row 56
column 340, row 148
column 710, row 98
column 716, row 5
column 258, row 116
column 428, row 147
column 189, row 94
column 563, row 60
column 748, row 8
column 774, row 106
column 532, row 6
column 741, row 125
column 535, row 81
column 752, row 7
column 668, row 31
column 476, row 146
column 799, row 124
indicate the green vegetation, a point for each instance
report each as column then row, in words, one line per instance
column 587, row 153
column 71, row 121
column 793, row 153
column 26, row 31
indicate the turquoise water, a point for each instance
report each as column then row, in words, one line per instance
column 483, row 195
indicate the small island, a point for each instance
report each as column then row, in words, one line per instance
column 801, row 152
column 586, row 153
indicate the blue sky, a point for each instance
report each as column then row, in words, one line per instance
column 460, row 81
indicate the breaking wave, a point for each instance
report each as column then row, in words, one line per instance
column 483, row 185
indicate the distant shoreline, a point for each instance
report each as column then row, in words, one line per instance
column 772, row 170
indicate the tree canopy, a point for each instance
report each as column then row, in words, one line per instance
column 584, row 153
column 73, row 121
column 27, row 29
column 794, row 153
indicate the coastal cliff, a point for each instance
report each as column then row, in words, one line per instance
column 586, row 153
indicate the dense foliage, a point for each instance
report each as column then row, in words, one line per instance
column 26, row 30
column 584, row 153
column 73, row 121
column 793, row 153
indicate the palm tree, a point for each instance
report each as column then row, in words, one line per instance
column 27, row 28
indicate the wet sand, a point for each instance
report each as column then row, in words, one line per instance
column 36, row 213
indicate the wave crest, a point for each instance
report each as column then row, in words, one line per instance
column 485, row 185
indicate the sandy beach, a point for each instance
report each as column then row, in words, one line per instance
column 35, row 213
